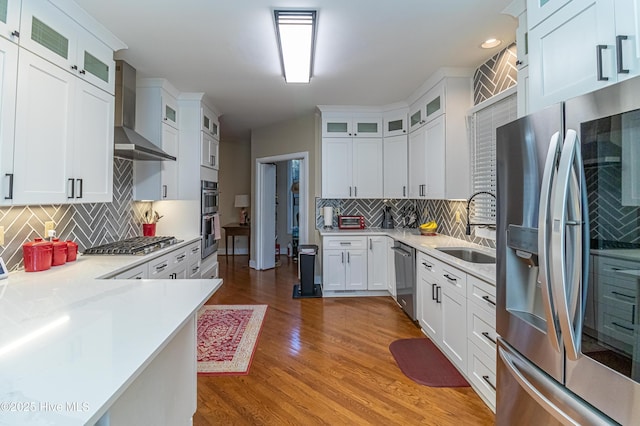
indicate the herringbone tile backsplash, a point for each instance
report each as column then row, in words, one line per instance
column 442, row 211
column 86, row 224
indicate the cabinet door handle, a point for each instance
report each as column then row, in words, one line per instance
column 355, row 191
column 82, row 72
column 404, row 191
column 164, row 191
column 81, row 188
column 599, row 49
column 622, row 326
column 15, row 33
column 434, row 292
column 10, row 196
column 486, row 379
column 438, row 294
column 426, row 265
column 349, row 191
column 214, row 161
column 342, row 257
column 450, row 278
column 488, row 337
column 623, row 295
column 348, row 257
column 74, row 67
column 370, row 244
column 518, row 62
column 488, row 300
column 619, row 39
column 73, row 187
column 161, row 267
column 181, row 257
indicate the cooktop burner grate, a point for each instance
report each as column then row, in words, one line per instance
column 135, row 246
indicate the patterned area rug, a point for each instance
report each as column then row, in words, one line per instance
column 227, row 337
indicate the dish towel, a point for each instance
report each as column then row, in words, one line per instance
column 216, row 227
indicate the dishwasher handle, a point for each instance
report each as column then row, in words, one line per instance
column 401, row 252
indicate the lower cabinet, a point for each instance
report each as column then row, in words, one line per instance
column 456, row 311
column 358, row 263
column 181, row 263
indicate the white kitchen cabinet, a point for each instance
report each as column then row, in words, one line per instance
column 427, row 161
column 585, row 45
column 438, row 149
column 8, row 76
column 429, row 297
column 344, row 261
column 342, row 125
column 522, row 41
column 395, row 123
column 209, row 147
column 352, row 168
column 67, row 156
column 429, row 107
column 395, row 171
column 539, row 10
column 139, row 272
column 51, row 34
column 10, row 19
column 482, row 338
column 210, row 123
column 454, row 315
column 377, row 261
column 209, row 266
column 391, row 269
column 156, row 120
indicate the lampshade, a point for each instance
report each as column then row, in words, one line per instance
column 242, row 200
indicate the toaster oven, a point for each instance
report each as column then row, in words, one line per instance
column 351, row 222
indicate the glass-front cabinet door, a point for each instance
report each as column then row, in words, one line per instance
column 539, row 10
column 10, row 19
column 96, row 63
column 395, row 123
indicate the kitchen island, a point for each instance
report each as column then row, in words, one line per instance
column 77, row 350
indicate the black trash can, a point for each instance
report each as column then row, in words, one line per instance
column 307, row 265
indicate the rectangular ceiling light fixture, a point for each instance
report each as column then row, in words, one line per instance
column 296, row 31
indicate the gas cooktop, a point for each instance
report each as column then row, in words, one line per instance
column 135, row 246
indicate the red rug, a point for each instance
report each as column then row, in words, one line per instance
column 227, row 337
column 421, row 361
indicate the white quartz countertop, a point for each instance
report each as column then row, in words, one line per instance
column 70, row 344
column 428, row 245
column 625, row 254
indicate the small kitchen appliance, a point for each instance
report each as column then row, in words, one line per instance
column 387, row 218
column 351, row 222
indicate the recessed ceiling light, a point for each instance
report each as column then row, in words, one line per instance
column 490, row 43
column 296, row 31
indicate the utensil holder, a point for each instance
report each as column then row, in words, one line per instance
column 149, row 229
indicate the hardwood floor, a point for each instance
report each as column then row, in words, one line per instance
column 324, row 361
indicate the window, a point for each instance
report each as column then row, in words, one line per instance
column 490, row 115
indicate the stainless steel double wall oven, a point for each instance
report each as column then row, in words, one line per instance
column 208, row 210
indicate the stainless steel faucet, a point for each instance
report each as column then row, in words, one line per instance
column 469, row 224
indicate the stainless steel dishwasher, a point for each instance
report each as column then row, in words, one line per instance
column 405, row 262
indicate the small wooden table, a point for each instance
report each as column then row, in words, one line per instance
column 232, row 230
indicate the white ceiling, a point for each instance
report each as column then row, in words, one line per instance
column 368, row 52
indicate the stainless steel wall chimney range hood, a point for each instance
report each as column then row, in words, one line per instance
column 127, row 143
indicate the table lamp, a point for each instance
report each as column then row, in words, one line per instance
column 242, row 201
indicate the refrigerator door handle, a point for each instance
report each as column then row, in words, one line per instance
column 566, row 265
column 549, row 394
column 544, row 249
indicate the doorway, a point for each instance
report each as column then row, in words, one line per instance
column 265, row 214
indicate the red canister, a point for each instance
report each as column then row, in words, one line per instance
column 72, row 251
column 59, row 252
column 37, row 255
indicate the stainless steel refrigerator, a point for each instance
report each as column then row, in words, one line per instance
column 568, row 269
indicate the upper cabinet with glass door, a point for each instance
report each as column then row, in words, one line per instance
column 348, row 125
column 210, row 123
column 395, row 123
column 428, row 107
column 169, row 110
column 10, row 19
column 51, row 34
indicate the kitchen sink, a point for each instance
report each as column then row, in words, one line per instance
column 468, row 254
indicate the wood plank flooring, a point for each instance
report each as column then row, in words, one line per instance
column 324, row 361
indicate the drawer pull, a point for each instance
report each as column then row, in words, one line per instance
column 489, row 301
column 181, row 257
column 450, row 278
column 488, row 337
column 486, row 379
column 426, row 265
column 161, row 267
column 622, row 326
column 345, row 243
column 195, row 249
column 623, row 295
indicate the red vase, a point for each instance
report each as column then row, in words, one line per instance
column 149, row 229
